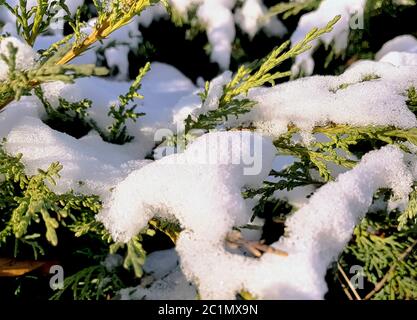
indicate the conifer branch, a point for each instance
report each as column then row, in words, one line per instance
column 391, row 271
column 345, row 277
column 233, row 101
column 118, row 14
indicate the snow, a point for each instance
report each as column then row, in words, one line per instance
column 220, row 30
column 316, row 234
column 319, row 231
column 375, row 95
column 212, row 162
column 163, row 86
column 163, row 280
column 403, row 43
column 27, row 106
column 337, row 38
column 249, row 18
column 98, row 168
column 400, row 51
column 99, row 165
column 380, row 101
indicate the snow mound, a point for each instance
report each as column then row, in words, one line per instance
column 216, row 164
column 162, row 87
column 368, row 93
column 90, row 167
column 404, row 43
column 316, row 234
column 400, row 51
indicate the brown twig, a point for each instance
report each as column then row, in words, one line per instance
column 235, row 240
column 345, row 289
column 388, row 276
column 345, row 277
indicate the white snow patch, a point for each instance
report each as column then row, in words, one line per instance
column 85, row 169
column 404, row 43
column 251, row 18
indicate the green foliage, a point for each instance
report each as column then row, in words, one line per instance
column 365, row 78
column 343, row 142
column 170, row 228
column 409, row 216
column 386, row 255
column 293, row 8
column 412, row 99
column 68, row 117
column 121, row 113
column 91, row 283
column 53, row 68
column 391, row 7
column 29, row 207
column 28, row 200
column 135, row 255
column 31, row 22
column 258, row 73
column 72, row 117
column 33, row 216
column 118, row 13
column 21, row 82
column 110, row 17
